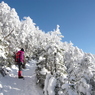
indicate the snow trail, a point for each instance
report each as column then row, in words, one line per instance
column 11, row 85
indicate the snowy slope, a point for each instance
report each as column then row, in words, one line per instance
column 11, row 85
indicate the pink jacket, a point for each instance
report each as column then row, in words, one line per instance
column 21, row 56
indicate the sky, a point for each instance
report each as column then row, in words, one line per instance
column 76, row 18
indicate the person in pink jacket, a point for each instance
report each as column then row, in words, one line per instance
column 21, row 61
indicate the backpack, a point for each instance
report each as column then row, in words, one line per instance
column 17, row 57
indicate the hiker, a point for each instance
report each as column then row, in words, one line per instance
column 20, row 59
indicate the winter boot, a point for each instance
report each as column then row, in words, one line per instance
column 19, row 74
column 20, row 77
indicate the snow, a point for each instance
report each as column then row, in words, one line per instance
column 51, row 86
column 46, row 83
column 44, row 71
column 11, row 85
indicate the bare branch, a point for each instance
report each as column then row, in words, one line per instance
column 8, row 34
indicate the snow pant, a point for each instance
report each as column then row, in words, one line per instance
column 20, row 69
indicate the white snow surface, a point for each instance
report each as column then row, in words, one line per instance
column 11, row 85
